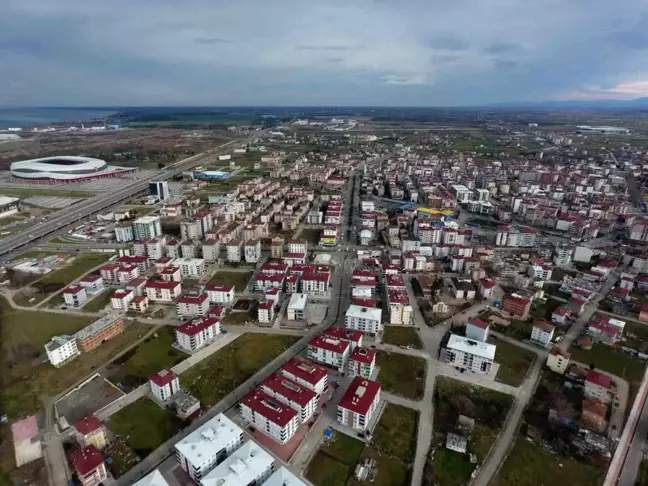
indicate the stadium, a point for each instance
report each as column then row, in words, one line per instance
column 51, row 170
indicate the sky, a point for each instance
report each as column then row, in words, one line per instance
column 320, row 52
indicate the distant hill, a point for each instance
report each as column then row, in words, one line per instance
column 634, row 104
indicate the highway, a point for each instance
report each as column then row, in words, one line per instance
column 96, row 204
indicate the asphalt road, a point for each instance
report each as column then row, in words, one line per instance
column 68, row 216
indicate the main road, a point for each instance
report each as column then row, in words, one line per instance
column 96, row 204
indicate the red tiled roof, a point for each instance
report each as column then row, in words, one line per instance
column 74, row 289
column 219, row 288
column 195, row 326
column 477, row 323
column 363, row 301
column 363, row 355
column 343, row 333
column 266, row 305
column 87, row 425
column 487, row 283
column 289, row 389
column 305, row 370
column 160, row 284
column 329, row 343
column 163, row 377
column 268, row 407
column 599, row 379
column 86, row 460
column 360, row 395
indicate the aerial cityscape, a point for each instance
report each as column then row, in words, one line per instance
column 323, row 243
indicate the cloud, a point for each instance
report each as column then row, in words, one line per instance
column 358, row 52
column 211, row 40
column 325, row 48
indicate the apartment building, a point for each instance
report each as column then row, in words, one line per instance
column 306, row 373
column 121, row 299
column 266, row 312
column 516, row 305
column 192, row 305
column 93, row 284
column 464, row 353
column 400, row 310
column 170, row 274
column 364, row 319
column 220, row 294
column 329, row 351
column 109, row 273
column 196, row 333
column 61, row 349
column 99, row 331
column 208, row 446
column 252, row 251
column 90, row 431
column 303, row 400
column 249, row 465
column 164, row 385
column 89, row 464
column 75, row 296
column 147, row 228
column 190, row 267
column 542, row 333
column 316, row 284
column 275, row 419
column 161, row 291
column 362, row 362
column 359, row 403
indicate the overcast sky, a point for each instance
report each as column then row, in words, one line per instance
column 320, row 52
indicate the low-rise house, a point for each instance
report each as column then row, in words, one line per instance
column 559, row 315
column 597, row 386
column 90, row 431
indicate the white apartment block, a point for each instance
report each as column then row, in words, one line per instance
column 329, row 351
column 147, row 228
column 191, row 230
column 124, row 233
column 252, row 251
column 542, row 333
column 208, row 446
column 75, row 296
column 359, row 403
column 155, row 248
column 364, row 319
column 297, row 309
column 275, row 419
column 400, row 310
column 160, row 291
column 468, row 354
column 164, row 385
column 303, row 400
column 316, row 284
column 297, row 246
column 121, row 299
column 266, row 312
column 220, row 294
column 234, row 250
column 192, row 305
column 61, row 349
column 249, row 465
column 211, row 251
column 190, row 267
column 196, row 333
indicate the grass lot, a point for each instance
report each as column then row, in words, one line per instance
column 402, row 336
column 312, row 236
column 32, row 254
column 517, row 329
column 544, row 311
column 24, row 335
column 395, row 433
column 453, row 398
column 334, row 462
column 390, row 471
column 514, row 362
column 99, row 302
column 61, row 278
column 238, row 279
column 218, row 375
column 144, row 426
column 154, row 354
column 402, row 374
column 529, row 465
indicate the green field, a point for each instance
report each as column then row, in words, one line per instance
column 238, row 279
column 154, row 354
column 529, row 465
column 99, row 302
column 28, row 192
column 335, row 460
column 402, row 336
column 59, row 279
column 312, row 236
column 24, row 334
column 402, row 374
column 514, row 362
column 395, row 433
column 221, row 373
column 144, row 426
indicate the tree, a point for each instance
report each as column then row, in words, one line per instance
column 161, row 165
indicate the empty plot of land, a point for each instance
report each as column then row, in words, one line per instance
column 514, row 362
column 530, row 465
column 218, row 375
column 402, row 374
column 144, row 426
column 334, row 462
column 238, row 279
column 402, row 336
column 93, row 396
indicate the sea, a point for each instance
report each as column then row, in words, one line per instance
column 30, row 117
